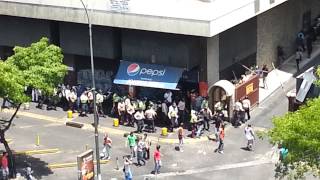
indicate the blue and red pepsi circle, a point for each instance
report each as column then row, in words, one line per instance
column 133, row 69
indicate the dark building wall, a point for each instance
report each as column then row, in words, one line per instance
column 238, row 44
column 22, row 31
column 74, row 39
column 161, row 48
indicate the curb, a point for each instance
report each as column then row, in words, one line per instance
column 40, row 151
column 72, row 164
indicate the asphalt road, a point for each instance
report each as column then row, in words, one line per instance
column 198, row 161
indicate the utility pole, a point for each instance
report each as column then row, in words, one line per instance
column 96, row 133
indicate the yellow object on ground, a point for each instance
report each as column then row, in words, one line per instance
column 116, row 122
column 69, row 114
column 164, row 131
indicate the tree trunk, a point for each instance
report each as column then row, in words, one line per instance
column 12, row 167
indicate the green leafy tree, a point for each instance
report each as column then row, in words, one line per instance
column 38, row 66
column 299, row 132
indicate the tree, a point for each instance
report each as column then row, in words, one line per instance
column 38, row 66
column 299, row 132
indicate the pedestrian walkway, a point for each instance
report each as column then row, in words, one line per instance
column 278, row 77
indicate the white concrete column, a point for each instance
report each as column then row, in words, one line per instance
column 212, row 59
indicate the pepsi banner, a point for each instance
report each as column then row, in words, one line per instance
column 148, row 75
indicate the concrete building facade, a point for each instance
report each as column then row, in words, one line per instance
column 213, row 37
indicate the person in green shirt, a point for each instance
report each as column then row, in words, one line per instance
column 132, row 144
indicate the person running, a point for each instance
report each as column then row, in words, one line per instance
column 221, row 139
column 132, row 143
column 157, row 160
column 126, row 169
column 140, row 149
column 107, row 143
column 249, row 133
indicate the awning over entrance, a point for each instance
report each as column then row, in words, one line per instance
column 148, row 75
column 224, row 84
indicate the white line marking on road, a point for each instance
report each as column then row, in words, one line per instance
column 214, row 168
column 25, row 127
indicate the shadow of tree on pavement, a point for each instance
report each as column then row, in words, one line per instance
column 39, row 167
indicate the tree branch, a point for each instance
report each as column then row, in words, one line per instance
column 12, row 117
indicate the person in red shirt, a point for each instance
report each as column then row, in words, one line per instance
column 157, row 160
column 4, row 166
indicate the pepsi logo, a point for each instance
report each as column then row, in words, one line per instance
column 133, row 69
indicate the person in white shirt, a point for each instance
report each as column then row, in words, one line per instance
column 237, row 113
column 249, row 133
column 90, row 100
column 130, row 112
column 246, row 106
column 139, row 116
column 99, row 101
column 150, row 115
column 147, row 142
column 168, row 96
column 121, row 111
column 84, row 103
column 72, row 99
column 173, row 116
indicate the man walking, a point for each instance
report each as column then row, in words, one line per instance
column 140, row 148
column 207, row 115
column 298, row 58
column 107, row 147
column 157, row 160
column 249, row 133
column 246, row 106
column 181, row 137
column 126, row 169
column 173, row 116
column 221, row 139
column 139, row 117
column 132, row 143
column 147, row 143
column 150, row 115
column 4, row 166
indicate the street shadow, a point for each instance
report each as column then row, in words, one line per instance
column 39, row 167
column 245, row 148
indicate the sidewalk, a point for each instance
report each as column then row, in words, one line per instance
column 278, row 77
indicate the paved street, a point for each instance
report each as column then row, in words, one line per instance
column 198, row 161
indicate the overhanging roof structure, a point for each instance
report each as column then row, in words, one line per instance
column 190, row 17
